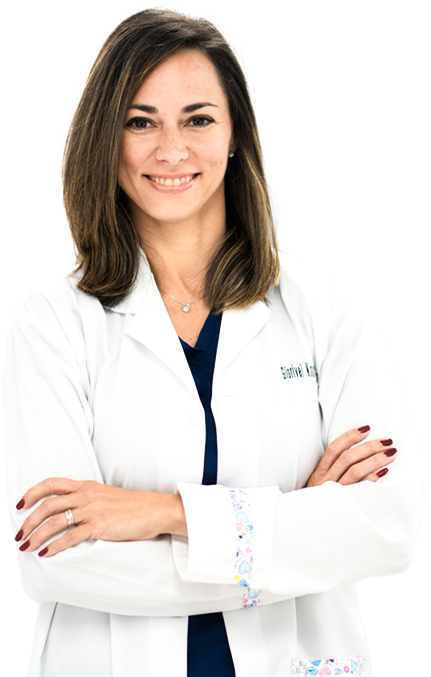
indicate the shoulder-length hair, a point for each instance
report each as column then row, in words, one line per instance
column 246, row 266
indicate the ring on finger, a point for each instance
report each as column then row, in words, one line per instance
column 69, row 518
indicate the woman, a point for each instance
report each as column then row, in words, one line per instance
column 201, row 447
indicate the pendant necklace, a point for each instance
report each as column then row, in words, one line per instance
column 186, row 306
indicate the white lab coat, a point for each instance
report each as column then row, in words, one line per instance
column 106, row 394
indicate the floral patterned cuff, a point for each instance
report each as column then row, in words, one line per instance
column 329, row 666
column 243, row 565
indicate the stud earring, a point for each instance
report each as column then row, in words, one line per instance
column 231, row 154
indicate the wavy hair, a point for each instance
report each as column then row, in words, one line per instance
column 246, row 266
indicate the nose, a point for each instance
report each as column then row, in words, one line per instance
column 171, row 147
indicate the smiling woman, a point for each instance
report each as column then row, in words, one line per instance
column 168, row 73
column 206, row 449
column 184, row 156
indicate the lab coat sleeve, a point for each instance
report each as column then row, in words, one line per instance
column 314, row 539
column 48, row 425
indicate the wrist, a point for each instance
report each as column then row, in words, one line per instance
column 173, row 516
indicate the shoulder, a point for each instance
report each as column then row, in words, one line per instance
column 319, row 299
column 57, row 302
column 301, row 269
column 304, row 287
column 56, row 317
column 310, row 282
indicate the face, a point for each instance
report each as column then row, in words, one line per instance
column 175, row 145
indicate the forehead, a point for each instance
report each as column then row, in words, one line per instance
column 185, row 75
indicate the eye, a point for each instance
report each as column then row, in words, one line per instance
column 137, row 123
column 202, row 117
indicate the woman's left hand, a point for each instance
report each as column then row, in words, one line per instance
column 100, row 512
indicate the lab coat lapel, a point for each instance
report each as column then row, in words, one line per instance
column 238, row 328
column 152, row 326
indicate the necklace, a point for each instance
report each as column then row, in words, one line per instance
column 186, row 306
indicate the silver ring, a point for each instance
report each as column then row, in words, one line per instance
column 69, row 518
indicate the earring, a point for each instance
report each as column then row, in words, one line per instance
column 231, row 154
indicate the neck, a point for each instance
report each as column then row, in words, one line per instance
column 180, row 253
column 180, row 272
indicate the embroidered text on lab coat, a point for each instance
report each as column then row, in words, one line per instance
column 301, row 371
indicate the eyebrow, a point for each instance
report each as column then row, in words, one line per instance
column 151, row 110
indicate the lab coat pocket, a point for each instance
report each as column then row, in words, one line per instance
column 328, row 666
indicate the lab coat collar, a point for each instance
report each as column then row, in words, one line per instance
column 141, row 292
column 152, row 326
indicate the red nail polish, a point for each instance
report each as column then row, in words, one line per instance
column 390, row 452
column 25, row 546
column 386, row 443
column 382, row 473
column 43, row 552
column 19, row 535
column 20, row 504
column 364, row 429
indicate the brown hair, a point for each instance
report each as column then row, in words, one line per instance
column 246, row 266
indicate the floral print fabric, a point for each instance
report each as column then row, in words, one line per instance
column 244, row 554
column 326, row 667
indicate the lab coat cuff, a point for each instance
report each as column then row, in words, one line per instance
column 230, row 535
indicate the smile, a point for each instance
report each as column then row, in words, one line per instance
column 175, row 186
column 174, row 182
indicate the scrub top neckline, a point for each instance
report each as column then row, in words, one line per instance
column 205, row 333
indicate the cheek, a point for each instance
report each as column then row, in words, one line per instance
column 122, row 175
column 128, row 167
column 127, row 156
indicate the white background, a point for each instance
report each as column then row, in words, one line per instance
column 368, row 61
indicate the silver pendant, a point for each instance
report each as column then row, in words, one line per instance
column 186, row 308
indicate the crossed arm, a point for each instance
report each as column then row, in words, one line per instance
column 108, row 513
column 144, row 574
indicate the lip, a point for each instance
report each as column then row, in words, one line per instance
column 172, row 189
column 173, row 176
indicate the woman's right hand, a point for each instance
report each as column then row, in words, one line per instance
column 348, row 464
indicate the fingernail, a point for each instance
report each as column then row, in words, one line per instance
column 19, row 535
column 20, row 504
column 390, row 452
column 386, row 443
column 25, row 546
column 382, row 473
column 43, row 552
column 364, row 429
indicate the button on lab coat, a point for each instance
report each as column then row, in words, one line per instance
column 106, row 394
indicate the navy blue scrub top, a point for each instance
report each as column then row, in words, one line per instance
column 208, row 651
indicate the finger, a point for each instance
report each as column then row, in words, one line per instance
column 51, row 486
column 340, row 444
column 50, row 528
column 376, row 476
column 47, row 509
column 68, row 540
column 363, row 470
column 351, row 457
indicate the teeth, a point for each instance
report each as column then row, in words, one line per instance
column 172, row 182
